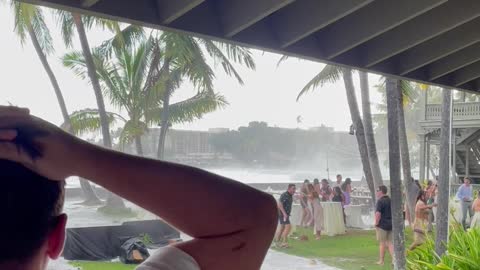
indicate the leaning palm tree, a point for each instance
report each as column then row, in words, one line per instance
column 29, row 21
column 189, row 53
column 68, row 22
column 331, row 74
column 128, row 82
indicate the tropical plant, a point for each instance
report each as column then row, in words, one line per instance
column 331, row 74
column 29, row 21
column 129, row 83
column 462, row 252
column 187, row 55
column 68, row 22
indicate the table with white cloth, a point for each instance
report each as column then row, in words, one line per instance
column 333, row 219
column 353, row 215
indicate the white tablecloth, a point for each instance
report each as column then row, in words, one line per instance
column 354, row 216
column 333, row 218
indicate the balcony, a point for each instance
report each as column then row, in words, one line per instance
column 461, row 111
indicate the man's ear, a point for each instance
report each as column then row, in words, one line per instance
column 56, row 239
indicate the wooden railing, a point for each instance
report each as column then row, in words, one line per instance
column 461, row 111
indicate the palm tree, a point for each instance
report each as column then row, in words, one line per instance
column 130, row 86
column 369, row 134
column 443, row 183
column 29, row 20
column 404, row 89
column 188, row 53
column 330, row 74
column 393, row 99
column 68, row 22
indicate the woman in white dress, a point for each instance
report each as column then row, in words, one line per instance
column 476, row 209
column 317, row 211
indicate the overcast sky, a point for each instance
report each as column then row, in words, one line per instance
column 269, row 93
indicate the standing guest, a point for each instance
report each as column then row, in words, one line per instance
column 383, row 223
column 325, row 190
column 422, row 210
column 339, row 180
column 347, row 190
column 339, row 197
column 430, row 193
column 284, row 211
column 476, row 208
column 317, row 211
column 306, row 213
column 465, row 195
column 316, row 185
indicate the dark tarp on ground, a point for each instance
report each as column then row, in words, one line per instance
column 104, row 243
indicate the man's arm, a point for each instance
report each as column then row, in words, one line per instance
column 378, row 215
column 282, row 209
column 460, row 193
column 232, row 224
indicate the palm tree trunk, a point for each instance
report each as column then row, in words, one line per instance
column 360, row 134
column 88, row 193
column 369, row 135
column 113, row 201
column 443, row 183
column 411, row 190
column 398, row 222
column 163, row 126
column 138, row 145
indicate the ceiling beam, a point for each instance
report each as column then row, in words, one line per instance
column 415, row 31
column 436, row 48
column 453, row 62
column 315, row 14
column 89, row 3
column 168, row 11
column 362, row 25
column 461, row 77
column 237, row 15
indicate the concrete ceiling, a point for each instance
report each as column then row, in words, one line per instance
column 432, row 41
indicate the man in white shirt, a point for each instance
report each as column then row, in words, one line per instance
column 35, row 157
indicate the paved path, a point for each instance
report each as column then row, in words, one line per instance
column 274, row 261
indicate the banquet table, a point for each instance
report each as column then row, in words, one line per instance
column 333, row 219
column 354, row 216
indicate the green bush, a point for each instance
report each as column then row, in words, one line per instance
column 463, row 252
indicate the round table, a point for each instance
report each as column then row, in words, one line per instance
column 354, row 216
column 333, row 219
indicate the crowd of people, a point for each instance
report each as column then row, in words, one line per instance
column 310, row 196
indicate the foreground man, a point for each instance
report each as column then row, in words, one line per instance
column 222, row 216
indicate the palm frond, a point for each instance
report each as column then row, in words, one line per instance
column 76, row 62
column 30, row 18
column 234, row 53
column 67, row 26
column 191, row 109
column 130, row 131
column 329, row 74
column 123, row 38
column 88, row 120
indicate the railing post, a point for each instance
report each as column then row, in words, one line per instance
column 467, row 161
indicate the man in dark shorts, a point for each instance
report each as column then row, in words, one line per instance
column 383, row 223
column 284, row 211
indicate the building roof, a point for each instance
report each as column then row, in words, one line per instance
column 433, row 41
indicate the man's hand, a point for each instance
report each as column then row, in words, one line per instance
column 466, row 199
column 37, row 144
column 285, row 218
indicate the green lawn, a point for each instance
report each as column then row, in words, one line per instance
column 102, row 266
column 356, row 250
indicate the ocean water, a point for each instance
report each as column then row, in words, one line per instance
column 252, row 176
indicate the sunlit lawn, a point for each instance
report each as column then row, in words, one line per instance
column 357, row 250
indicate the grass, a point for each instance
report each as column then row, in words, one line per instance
column 356, row 250
column 102, row 265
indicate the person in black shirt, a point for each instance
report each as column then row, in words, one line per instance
column 383, row 223
column 284, row 211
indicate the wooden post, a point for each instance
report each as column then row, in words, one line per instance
column 467, row 161
column 454, row 157
column 428, row 159
column 421, row 176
